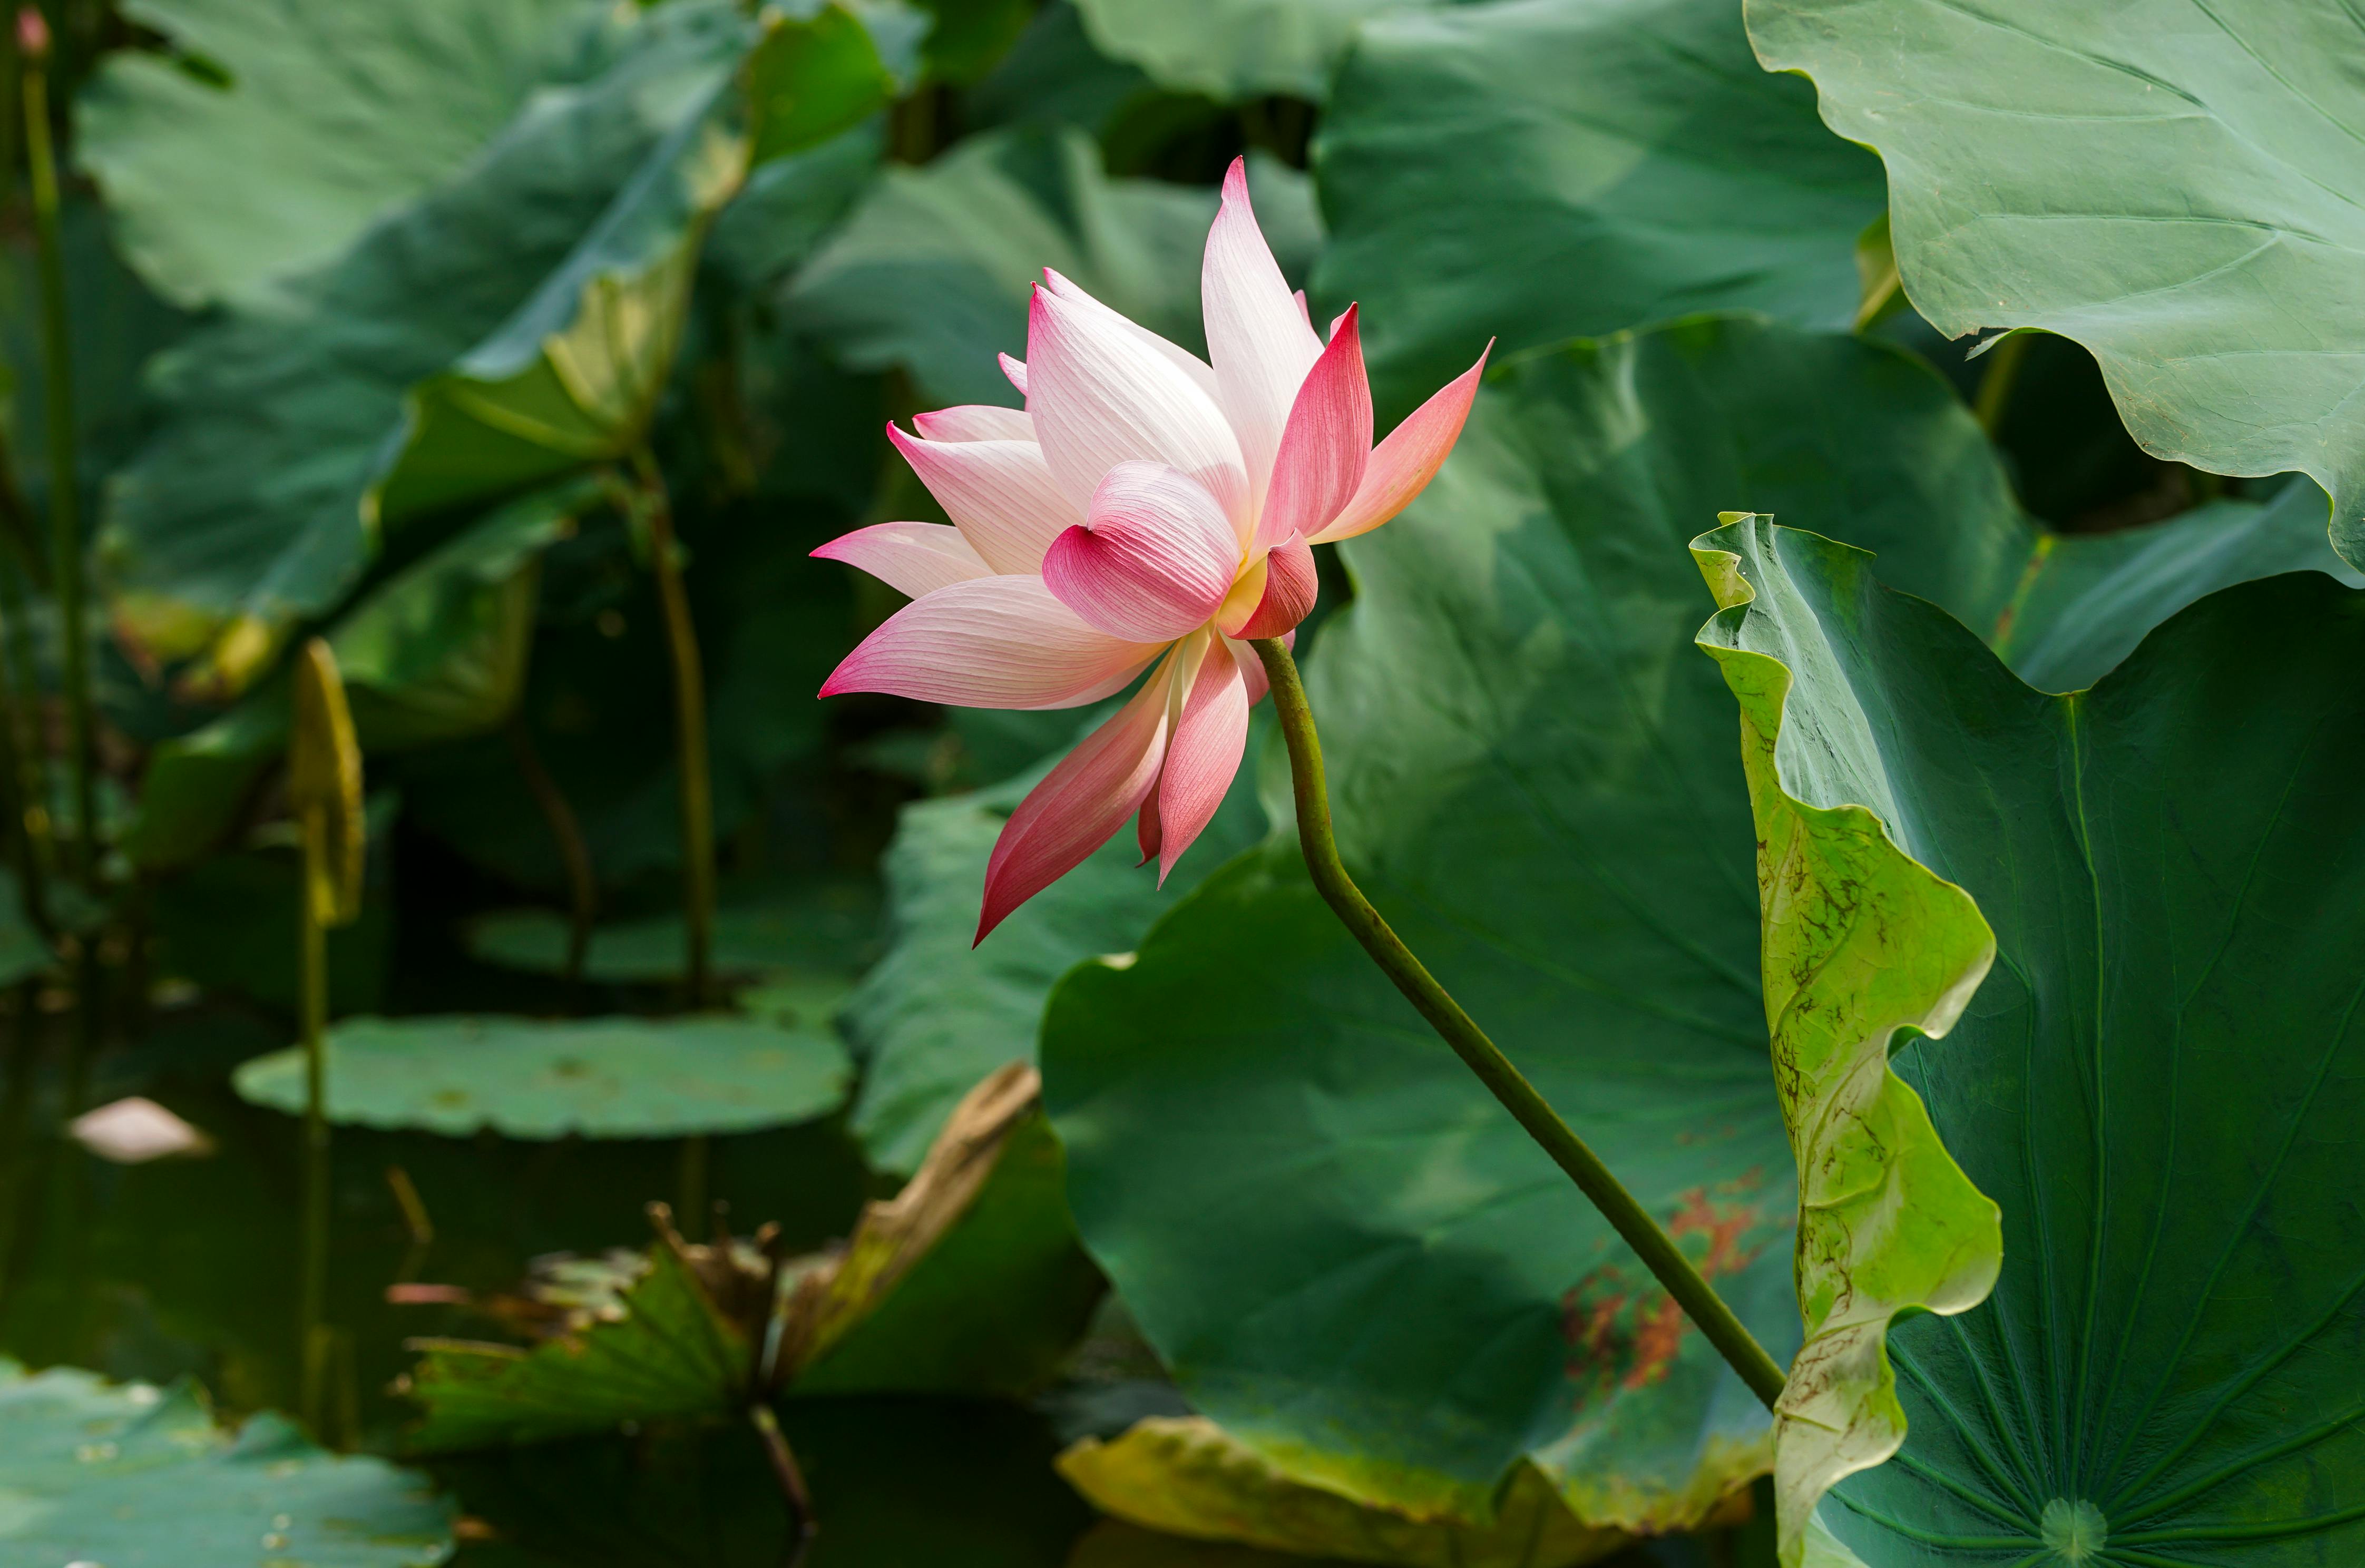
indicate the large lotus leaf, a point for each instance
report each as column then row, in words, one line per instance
column 2172, row 182
column 1187, row 1475
column 2157, row 1080
column 246, row 510
column 932, row 272
column 573, row 377
column 615, row 1076
column 941, row 1010
column 1236, row 49
column 131, row 1476
column 1536, row 170
column 1352, row 1260
column 311, row 122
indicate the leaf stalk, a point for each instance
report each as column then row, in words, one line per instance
column 689, row 727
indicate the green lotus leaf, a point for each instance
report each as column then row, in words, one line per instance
column 933, row 269
column 1236, row 49
column 310, row 123
column 246, row 510
column 131, row 1475
column 940, row 1010
column 2171, row 185
column 614, row 1077
column 2154, row 1081
column 1352, row 1260
column 1183, row 1474
column 1533, row 172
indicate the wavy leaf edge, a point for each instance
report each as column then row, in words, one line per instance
column 1840, row 903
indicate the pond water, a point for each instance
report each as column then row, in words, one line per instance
column 187, row 1268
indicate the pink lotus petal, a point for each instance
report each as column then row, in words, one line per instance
column 1402, row 465
column 1153, row 561
column 1016, row 369
column 1291, row 587
column 1201, row 373
column 1303, row 309
column 975, row 421
column 1210, row 735
column 913, row 558
column 1100, row 396
column 998, row 642
column 136, row 1130
column 1258, row 334
column 1079, row 804
column 1325, row 445
column 1145, row 825
column 999, row 493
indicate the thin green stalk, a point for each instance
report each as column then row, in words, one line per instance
column 32, row 749
column 65, row 529
column 1643, row 1234
column 787, row 1476
column 689, row 728
column 15, row 773
column 312, row 1336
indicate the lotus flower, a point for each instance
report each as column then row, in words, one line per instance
column 1149, row 509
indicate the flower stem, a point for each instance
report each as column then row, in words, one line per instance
column 65, row 530
column 788, row 1477
column 689, row 727
column 1644, row 1234
column 312, row 1342
column 567, row 832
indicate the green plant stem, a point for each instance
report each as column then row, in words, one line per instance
column 1643, row 1234
column 689, row 728
column 17, row 775
column 32, row 750
column 787, row 1476
column 313, row 959
column 1995, row 386
column 65, row 529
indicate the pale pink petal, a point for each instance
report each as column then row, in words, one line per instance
column 1153, row 561
column 1325, row 445
column 1201, row 373
column 1305, row 309
column 1079, row 804
column 1016, row 369
column 1100, row 396
column 1402, row 465
column 1258, row 334
column 1291, row 587
column 1210, row 734
column 975, row 421
column 913, row 558
column 998, row 642
column 997, row 492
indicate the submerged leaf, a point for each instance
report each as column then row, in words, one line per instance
column 123, row 1473
column 2157, row 1081
column 593, row 1077
column 1185, row 1475
column 2175, row 186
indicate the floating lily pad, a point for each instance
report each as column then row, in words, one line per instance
column 595, row 1076
column 123, row 1476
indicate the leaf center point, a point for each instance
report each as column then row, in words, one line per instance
column 2075, row 1530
